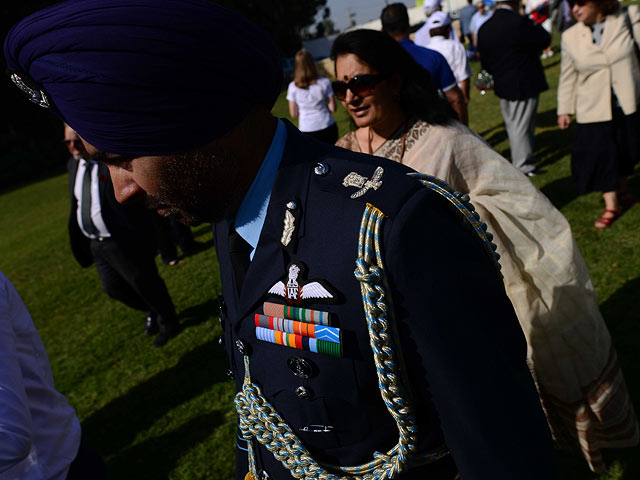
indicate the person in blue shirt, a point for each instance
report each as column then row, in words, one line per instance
column 395, row 22
column 465, row 20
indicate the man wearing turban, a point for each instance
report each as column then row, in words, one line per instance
column 419, row 348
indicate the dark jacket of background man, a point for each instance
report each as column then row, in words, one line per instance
column 510, row 46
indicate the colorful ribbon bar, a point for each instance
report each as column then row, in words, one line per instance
column 298, row 341
column 296, row 313
column 320, row 332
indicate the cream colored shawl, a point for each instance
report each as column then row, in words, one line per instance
column 570, row 351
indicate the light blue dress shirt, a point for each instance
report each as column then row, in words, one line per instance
column 253, row 209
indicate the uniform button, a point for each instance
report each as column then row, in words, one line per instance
column 300, row 367
column 230, row 374
column 321, row 169
column 292, row 205
column 221, row 341
column 243, row 347
column 262, row 475
column 303, row 392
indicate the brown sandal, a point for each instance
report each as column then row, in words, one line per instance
column 604, row 222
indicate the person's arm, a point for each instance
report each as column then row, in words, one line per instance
column 566, row 87
column 462, row 70
column 446, row 82
column 455, row 97
column 293, row 109
column 464, row 88
column 633, row 12
column 331, row 103
column 15, row 418
column 463, row 345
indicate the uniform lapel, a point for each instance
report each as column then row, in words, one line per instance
column 292, row 183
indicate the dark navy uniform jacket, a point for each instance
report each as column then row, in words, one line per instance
column 463, row 348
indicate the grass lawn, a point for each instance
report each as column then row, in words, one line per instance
column 168, row 413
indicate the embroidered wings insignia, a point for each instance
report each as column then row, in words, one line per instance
column 278, row 289
column 294, row 290
column 314, row 290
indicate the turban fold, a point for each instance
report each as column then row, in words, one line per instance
column 144, row 77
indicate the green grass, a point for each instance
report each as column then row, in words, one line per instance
column 169, row 413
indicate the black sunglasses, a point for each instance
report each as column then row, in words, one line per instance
column 361, row 85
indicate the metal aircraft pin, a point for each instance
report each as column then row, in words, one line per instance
column 356, row 180
column 36, row 95
column 295, row 291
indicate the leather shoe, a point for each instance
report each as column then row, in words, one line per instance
column 150, row 325
column 165, row 335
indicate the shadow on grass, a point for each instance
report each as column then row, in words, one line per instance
column 198, row 314
column 560, row 191
column 622, row 319
column 156, row 457
column 119, row 422
column 202, row 229
column 199, row 247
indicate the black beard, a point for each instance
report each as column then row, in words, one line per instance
column 198, row 186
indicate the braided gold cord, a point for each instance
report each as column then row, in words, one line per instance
column 258, row 419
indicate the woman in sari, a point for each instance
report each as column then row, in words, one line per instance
column 399, row 116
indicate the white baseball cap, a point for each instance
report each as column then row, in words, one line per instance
column 438, row 19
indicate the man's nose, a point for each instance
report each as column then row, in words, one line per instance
column 124, row 186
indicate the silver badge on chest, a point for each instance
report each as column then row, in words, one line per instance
column 354, row 179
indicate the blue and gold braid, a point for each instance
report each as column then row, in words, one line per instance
column 258, row 419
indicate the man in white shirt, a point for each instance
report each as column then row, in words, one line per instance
column 439, row 24
column 422, row 36
column 39, row 430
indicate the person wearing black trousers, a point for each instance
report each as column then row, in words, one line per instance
column 119, row 240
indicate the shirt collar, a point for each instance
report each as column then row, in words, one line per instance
column 253, row 209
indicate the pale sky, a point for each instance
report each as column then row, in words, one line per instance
column 364, row 10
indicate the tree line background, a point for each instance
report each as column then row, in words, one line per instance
column 31, row 138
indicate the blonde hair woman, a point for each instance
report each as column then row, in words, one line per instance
column 311, row 99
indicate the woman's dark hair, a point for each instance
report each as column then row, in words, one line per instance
column 607, row 7
column 418, row 96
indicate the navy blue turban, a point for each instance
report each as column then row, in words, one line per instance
column 144, row 77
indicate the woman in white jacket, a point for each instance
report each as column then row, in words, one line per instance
column 600, row 84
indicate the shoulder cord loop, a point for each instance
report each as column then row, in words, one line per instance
column 258, row 419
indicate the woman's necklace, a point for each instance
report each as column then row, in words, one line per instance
column 404, row 140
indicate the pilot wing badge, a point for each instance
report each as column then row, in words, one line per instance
column 363, row 183
column 295, row 291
